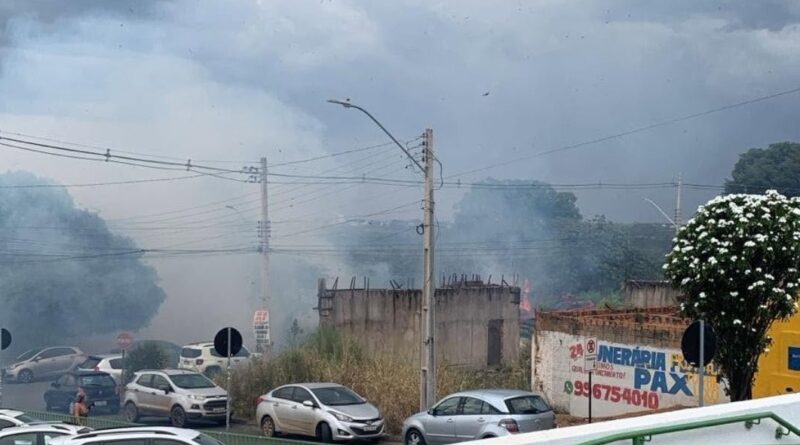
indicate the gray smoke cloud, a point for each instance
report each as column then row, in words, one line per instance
column 237, row 81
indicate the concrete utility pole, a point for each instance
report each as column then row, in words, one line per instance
column 428, row 375
column 265, row 234
column 427, row 385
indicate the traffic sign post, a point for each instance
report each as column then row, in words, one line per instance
column 699, row 345
column 228, row 342
column 589, row 361
column 124, row 341
column 5, row 342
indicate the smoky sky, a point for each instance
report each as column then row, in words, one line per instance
column 496, row 81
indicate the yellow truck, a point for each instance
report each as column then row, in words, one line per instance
column 779, row 369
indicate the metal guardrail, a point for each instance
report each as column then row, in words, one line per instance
column 642, row 436
column 98, row 422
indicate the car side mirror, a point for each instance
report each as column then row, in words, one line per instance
column 309, row 404
column 55, row 385
column 36, row 359
column 166, row 389
column 432, row 412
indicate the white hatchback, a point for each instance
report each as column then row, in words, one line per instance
column 139, row 435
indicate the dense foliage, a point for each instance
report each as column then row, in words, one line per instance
column 63, row 273
column 758, row 170
column 147, row 355
column 737, row 265
column 515, row 227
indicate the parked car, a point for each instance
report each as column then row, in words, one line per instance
column 179, row 394
column 100, row 388
column 111, row 364
column 43, row 363
column 479, row 414
column 46, row 434
column 139, row 436
column 203, row 358
column 10, row 418
column 327, row 411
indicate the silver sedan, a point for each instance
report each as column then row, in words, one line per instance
column 479, row 414
column 327, row 411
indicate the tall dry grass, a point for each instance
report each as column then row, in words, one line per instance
column 391, row 384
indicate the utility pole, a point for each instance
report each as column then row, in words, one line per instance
column 677, row 219
column 428, row 374
column 265, row 342
column 427, row 384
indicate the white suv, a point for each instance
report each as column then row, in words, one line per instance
column 140, row 435
column 179, row 394
column 203, row 358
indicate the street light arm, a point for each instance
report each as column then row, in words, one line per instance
column 661, row 211
column 349, row 105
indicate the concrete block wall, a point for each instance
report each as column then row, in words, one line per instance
column 387, row 321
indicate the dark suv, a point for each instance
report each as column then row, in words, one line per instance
column 100, row 388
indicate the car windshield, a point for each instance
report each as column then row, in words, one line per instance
column 27, row 419
column 527, row 405
column 191, row 381
column 202, row 439
column 96, row 380
column 337, row 395
column 191, row 353
column 90, row 363
column 29, row 354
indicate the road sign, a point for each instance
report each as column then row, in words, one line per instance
column 590, row 354
column 221, row 342
column 5, row 339
column 690, row 344
column 124, row 340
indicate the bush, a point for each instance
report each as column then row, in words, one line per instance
column 145, row 356
column 390, row 384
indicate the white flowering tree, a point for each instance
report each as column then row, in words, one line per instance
column 736, row 263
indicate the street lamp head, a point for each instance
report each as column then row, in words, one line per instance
column 345, row 103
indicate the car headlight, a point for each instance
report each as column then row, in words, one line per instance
column 341, row 417
column 196, row 397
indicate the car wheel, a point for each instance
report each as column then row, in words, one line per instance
column 324, row 433
column 268, row 426
column 25, row 376
column 414, row 437
column 131, row 412
column 178, row 417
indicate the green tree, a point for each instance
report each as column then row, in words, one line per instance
column 148, row 355
column 736, row 264
column 776, row 168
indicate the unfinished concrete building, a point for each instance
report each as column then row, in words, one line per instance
column 477, row 324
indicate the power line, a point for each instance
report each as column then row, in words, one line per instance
column 109, row 157
column 340, row 153
column 633, row 131
column 100, row 184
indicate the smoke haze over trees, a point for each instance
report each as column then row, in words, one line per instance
column 516, row 227
column 774, row 168
column 62, row 272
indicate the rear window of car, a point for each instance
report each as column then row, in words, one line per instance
column 96, row 380
column 191, row 352
column 527, row 405
column 90, row 363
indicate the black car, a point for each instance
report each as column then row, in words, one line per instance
column 100, row 388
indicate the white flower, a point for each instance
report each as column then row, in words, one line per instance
column 685, row 281
column 702, row 295
column 749, row 243
column 712, row 261
column 737, row 322
column 734, row 258
column 734, row 294
column 768, row 276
